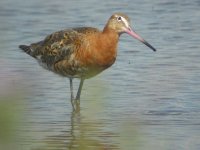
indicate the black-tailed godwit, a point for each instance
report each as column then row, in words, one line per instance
column 82, row 52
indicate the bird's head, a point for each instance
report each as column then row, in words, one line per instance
column 120, row 23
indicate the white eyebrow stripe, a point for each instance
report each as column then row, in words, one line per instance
column 125, row 21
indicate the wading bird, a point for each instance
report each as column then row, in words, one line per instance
column 82, row 52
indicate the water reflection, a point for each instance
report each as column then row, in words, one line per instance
column 75, row 105
column 83, row 135
column 160, row 90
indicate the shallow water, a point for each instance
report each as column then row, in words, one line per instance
column 146, row 100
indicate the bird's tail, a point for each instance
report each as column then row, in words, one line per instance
column 26, row 49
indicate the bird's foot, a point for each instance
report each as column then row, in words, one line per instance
column 75, row 104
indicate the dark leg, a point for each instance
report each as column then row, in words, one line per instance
column 72, row 94
column 71, row 89
column 75, row 102
column 79, row 89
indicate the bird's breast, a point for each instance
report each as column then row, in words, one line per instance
column 97, row 53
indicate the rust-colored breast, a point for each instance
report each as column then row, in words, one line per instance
column 98, row 52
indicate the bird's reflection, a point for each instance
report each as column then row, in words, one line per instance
column 85, row 134
column 75, row 121
column 82, row 135
column 75, row 105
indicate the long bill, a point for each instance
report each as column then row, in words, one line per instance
column 136, row 36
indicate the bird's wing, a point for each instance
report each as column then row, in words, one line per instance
column 60, row 45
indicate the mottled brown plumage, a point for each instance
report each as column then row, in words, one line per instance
column 82, row 52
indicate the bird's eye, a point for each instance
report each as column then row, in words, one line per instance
column 119, row 18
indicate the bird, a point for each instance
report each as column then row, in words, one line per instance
column 82, row 52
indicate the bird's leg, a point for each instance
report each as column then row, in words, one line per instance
column 72, row 94
column 71, row 88
column 79, row 90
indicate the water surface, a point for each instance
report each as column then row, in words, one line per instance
column 146, row 100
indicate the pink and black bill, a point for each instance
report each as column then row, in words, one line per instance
column 136, row 36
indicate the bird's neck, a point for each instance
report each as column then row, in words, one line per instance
column 106, row 48
column 101, row 51
column 110, row 35
column 108, row 30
